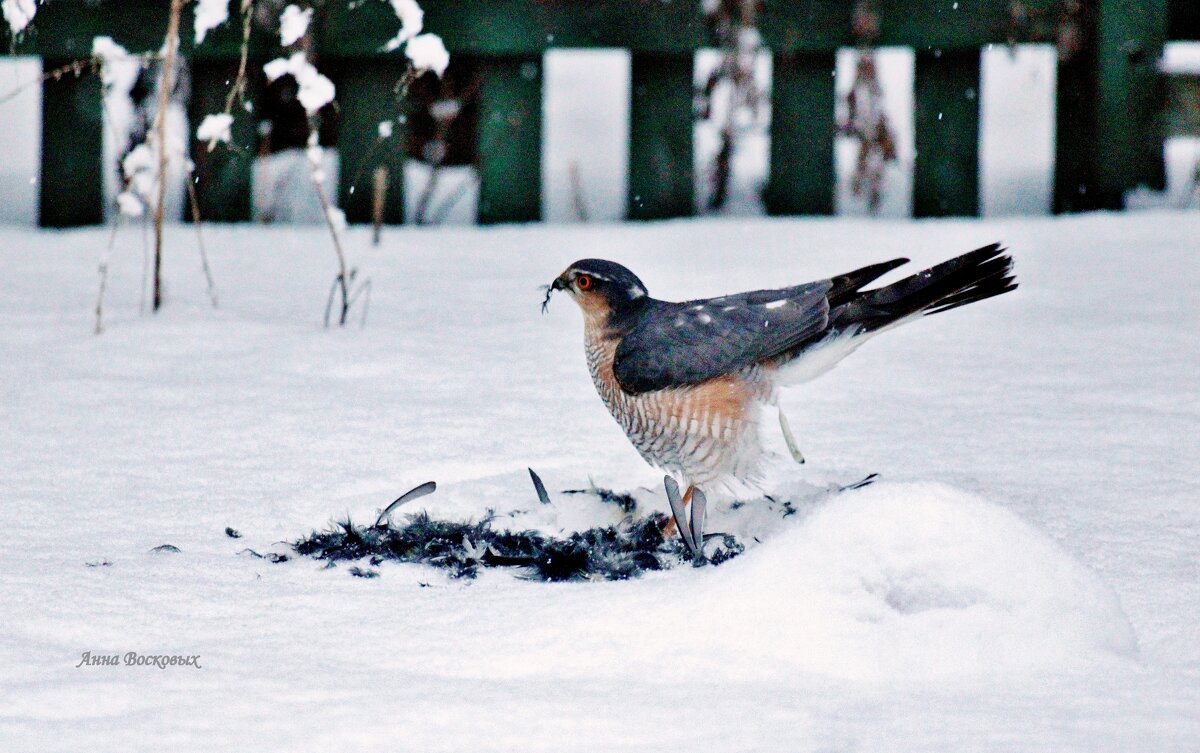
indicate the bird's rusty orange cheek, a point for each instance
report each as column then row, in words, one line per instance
column 595, row 308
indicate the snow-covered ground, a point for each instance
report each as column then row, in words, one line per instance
column 1024, row 577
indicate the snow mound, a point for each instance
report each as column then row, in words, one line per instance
column 890, row 583
column 902, row 580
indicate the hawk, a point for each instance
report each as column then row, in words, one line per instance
column 688, row 381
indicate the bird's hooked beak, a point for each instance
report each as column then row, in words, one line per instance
column 558, row 284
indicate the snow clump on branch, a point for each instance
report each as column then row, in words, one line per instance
column 293, row 24
column 412, row 20
column 215, row 128
column 316, row 90
column 19, row 13
column 209, row 15
column 428, row 53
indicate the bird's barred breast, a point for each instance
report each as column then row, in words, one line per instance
column 705, row 432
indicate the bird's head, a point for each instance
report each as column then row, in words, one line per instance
column 603, row 289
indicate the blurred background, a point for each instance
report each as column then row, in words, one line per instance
column 437, row 147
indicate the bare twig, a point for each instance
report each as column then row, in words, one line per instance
column 736, row 27
column 378, row 200
column 195, row 204
column 460, row 191
column 112, row 237
column 341, row 281
column 238, row 90
column 76, row 66
column 145, row 263
column 426, row 197
column 164, row 99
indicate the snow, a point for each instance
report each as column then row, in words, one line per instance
column 316, row 90
column 1023, row 577
column 215, row 127
column 412, row 20
column 283, row 188
column 18, row 13
column 1180, row 58
column 293, row 24
column 427, row 53
column 130, row 205
column 209, row 15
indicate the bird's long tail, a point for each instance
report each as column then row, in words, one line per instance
column 974, row 276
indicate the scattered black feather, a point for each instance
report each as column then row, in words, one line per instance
column 625, row 550
column 272, row 556
column 99, row 563
column 166, row 549
column 358, row 572
column 232, row 533
column 429, row 487
column 625, row 502
column 539, row 487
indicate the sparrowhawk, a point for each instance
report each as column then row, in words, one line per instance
column 688, row 381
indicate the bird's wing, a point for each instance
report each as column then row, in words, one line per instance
column 679, row 344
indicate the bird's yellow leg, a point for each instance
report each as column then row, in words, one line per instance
column 670, row 527
column 790, row 438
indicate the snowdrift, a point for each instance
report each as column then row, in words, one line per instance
column 888, row 583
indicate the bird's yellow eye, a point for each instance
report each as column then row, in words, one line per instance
column 583, row 282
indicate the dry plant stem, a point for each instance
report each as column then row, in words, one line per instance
column 77, row 67
column 145, row 263
column 460, row 191
column 195, row 204
column 378, row 199
column 112, row 238
column 238, row 90
column 342, row 282
column 164, row 99
column 435, row 170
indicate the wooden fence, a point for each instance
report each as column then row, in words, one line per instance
column 1109, row 98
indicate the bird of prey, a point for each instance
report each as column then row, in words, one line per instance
column 687, row 381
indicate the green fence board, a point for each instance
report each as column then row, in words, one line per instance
column 802, row 178
column 799, row 26
column 66, row 28
column 523, row 27
column 946, row 124
column 510, row 139
column 661, row 170
column 71, row 188
column 1130, row 94
column 1183, row 108
column 366, row 96
column 1109, row 102
column 1075, row 189
column 790, row 26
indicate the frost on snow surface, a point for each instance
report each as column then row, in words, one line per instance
column 1022, row 576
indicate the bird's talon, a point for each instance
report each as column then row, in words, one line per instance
column 679, row 512
column 699, row 508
